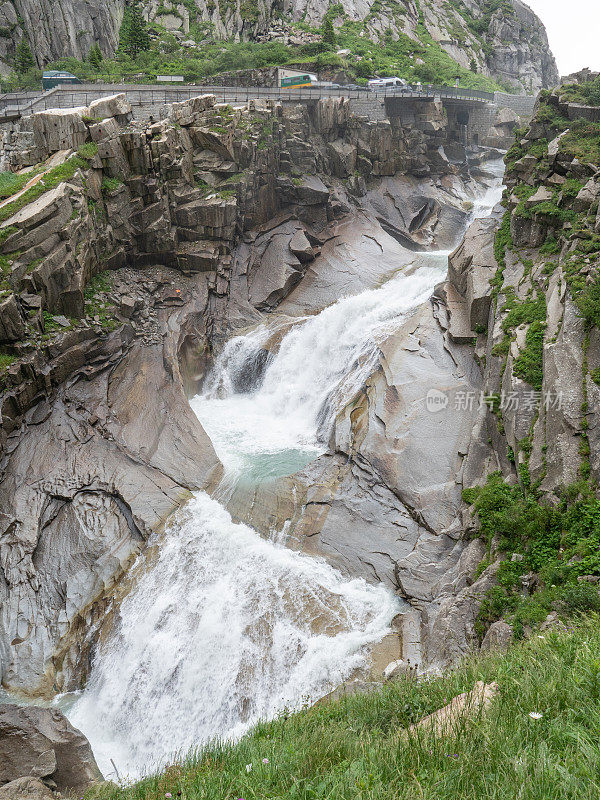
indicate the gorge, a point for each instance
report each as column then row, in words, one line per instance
column 335, row 293
column 273, row 630
column 294, row 404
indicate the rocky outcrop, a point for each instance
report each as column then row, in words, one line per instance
column 41, row 750
column 547, row 253
column 25, row 789
column 524, row 284
column 65, row 28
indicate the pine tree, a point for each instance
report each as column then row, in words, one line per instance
column 328, row 33
column 95, row 56
column 473, row 65
column 133, row 36
column 23, row 58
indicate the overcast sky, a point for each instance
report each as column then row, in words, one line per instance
column 573, row 30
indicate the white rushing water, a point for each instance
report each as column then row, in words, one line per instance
column 277, row 427
column 224, row 627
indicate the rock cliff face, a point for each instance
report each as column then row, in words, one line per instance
column 135, row 255
column 58, row 29
column 505, row 40
column 524, row 285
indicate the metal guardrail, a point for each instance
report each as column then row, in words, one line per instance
column 16, row 104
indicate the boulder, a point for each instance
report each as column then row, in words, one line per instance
column 312, row 191
column 116, row 105
column 184, row 113
column 587, row 196
column 59, row 129
column 276, row 273
column 12, row 327
column 342, row 157
column 527, row 232
column 42, row 743
column 554, row 145
column 506, row 117
column 35, row 213
column 451, row 719
column 543, row 195
column 218, row 141
column 107, row 129
column 396, row 669
column 27, row 788
column 215, row 215
column 498, row 637
column 301, row 247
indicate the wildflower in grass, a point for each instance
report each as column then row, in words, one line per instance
column 248, row 767
column 265, row 760
column 535, row 715
column 168, row 795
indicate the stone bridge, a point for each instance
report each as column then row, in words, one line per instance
column 471, row 113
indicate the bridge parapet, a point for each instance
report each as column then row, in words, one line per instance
column 141, row 97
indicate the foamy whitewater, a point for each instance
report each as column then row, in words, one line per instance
column 223, row 627
column 320, row 363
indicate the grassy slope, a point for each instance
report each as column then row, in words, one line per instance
column 351, row 749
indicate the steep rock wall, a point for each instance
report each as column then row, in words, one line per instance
column 524, row 286
column 508, row 43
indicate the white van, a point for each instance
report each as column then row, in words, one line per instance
column 388, row 83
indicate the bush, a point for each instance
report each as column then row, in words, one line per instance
column 561, row 544
column 578, row 598
column 588, row 304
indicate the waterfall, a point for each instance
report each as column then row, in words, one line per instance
column 282, row 419
column 222, row 627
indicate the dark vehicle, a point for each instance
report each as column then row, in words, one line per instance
column 54, row 78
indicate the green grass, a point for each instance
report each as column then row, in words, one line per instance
column 52, row 326
column 559, row 542
column 110, row 185
column 87, row 150
column 55, row 176
column 529, row 364
column 585, row 93
column 588, row 304
column 354, row 749
column 11, row 183
column 6, row 360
